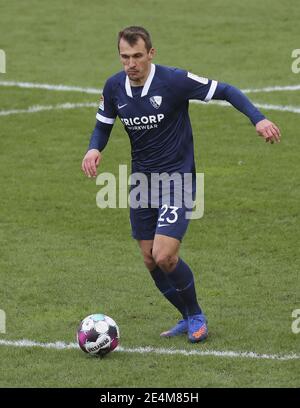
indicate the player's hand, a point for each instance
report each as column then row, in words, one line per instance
column 90, row 162
column 268, row 130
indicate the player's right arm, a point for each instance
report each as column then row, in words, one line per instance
column 98, row 141
column 105, row 116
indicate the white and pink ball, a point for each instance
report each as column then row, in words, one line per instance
column 98, row 334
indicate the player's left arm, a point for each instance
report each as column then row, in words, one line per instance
column 191, row 86
column 264, row 127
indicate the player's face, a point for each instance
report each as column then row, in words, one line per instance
column 136, row 60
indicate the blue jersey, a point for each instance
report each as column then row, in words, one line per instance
column 155, row 116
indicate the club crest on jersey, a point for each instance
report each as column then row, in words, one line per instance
column 101, row 106
column 156, row 101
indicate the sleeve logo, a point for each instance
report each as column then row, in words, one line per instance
column 197, row 78
column 101, row 106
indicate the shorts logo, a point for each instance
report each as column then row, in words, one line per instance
column 156, row 101
column 101, row 106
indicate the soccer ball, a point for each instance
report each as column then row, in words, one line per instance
column 98, row 334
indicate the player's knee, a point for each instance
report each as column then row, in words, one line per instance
column 149, row 262
column 165, row 261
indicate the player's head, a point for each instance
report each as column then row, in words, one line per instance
column 136, row 52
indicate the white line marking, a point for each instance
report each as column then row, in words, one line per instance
column 273, row 89
column 281, row 108
column 40, row 108
column 60, row 345
column 67, row 105
column 50, row 87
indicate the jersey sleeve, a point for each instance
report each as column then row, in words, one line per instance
column 239, row 100
column 107, row 111
column 100, row 136
column 191, row 86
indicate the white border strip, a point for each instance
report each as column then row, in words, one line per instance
column 103, row 119
column 60, row 345
column 211, row 91
column 148, row 81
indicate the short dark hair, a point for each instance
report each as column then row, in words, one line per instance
column 132, row 34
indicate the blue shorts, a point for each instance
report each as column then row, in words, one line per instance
column 161, row 207
column 165, row 220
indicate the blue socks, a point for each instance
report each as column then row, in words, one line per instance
column 178, row 288
column 170, row 293
column 182, row 280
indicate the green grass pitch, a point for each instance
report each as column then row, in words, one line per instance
column 62, row 258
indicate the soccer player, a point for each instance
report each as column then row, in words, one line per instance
column 152, row 103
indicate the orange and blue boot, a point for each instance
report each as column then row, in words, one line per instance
column 180, row 328
column 197, row 328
